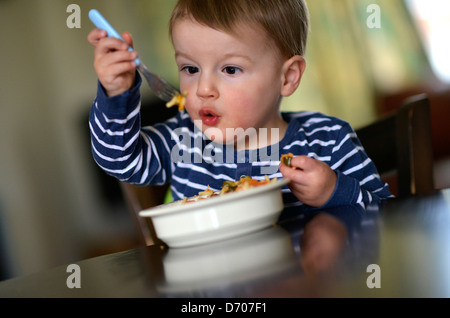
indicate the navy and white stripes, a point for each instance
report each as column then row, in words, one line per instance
column 176, row 152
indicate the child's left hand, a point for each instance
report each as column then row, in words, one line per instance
column 312, row 181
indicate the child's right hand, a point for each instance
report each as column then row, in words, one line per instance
column 114, row 64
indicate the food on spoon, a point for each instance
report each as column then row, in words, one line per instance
column 286, row 159
column 179, row 99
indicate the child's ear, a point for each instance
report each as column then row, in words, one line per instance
column 293, row 69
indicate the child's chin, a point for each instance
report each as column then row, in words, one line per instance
column 218, row 136
column 233, row 139
column 221, row 140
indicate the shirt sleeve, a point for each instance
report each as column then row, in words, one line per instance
column 358, row 181
column 119, row 145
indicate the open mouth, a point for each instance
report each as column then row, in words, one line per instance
column 208, row 117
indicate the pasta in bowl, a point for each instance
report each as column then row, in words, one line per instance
column 215, row 216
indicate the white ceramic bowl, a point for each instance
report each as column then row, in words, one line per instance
column 217, row 218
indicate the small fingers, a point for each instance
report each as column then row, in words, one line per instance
column 115, row 57
column 295, row 175
column 115, row 63
column 108, row 45
column 96, row 35
column 118, row 68
column 302, row 162
column 127, row 37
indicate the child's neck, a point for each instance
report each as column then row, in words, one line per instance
column 263, row 137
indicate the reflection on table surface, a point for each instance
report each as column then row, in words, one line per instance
column 400, row 249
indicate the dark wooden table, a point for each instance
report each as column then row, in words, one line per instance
column 401, row 249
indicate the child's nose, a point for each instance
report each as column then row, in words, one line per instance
column 206, row 87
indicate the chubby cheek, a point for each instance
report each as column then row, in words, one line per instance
column 241, row 109
column 249, row 115
column 188, row 90
column 190, row 107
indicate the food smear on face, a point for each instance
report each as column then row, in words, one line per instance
column 244, row 183
column 179, row 99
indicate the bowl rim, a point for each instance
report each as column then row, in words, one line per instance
column 174, row 207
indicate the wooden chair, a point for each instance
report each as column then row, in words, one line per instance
column 400, row 145
column 140, row 198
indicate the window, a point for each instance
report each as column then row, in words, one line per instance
column 432, row 18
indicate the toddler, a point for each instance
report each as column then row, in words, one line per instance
column 237, row 59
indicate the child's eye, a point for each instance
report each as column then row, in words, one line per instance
column 190, row 69
column 231, row 70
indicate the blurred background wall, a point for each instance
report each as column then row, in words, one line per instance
column 56, row 207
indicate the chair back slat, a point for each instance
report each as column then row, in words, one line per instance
column 401, row 142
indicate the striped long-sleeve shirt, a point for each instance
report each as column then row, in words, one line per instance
column 177, row 153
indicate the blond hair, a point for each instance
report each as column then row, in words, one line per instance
column 285, row 21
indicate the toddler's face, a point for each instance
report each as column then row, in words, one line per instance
column 231, row 81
